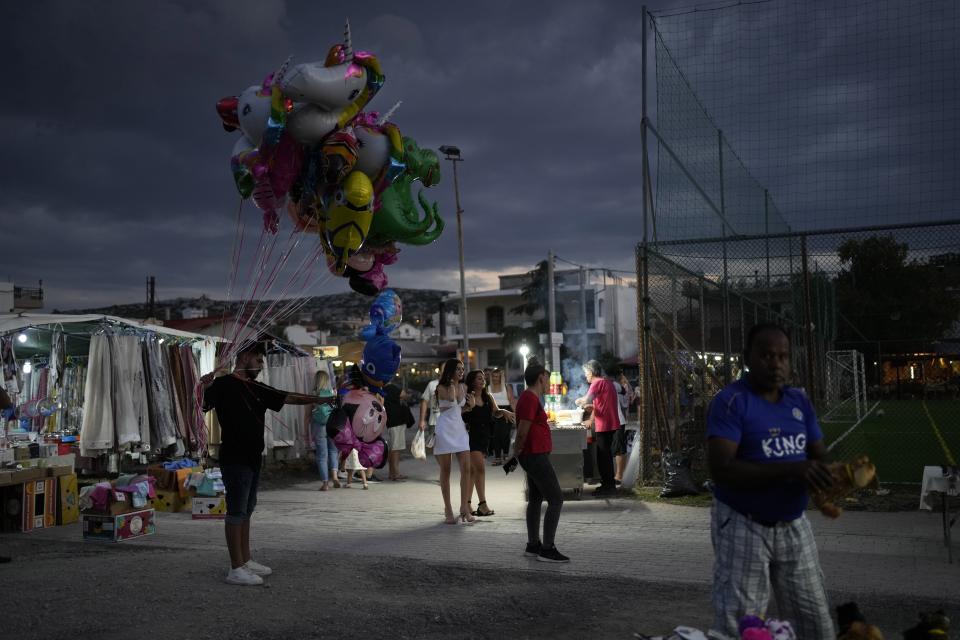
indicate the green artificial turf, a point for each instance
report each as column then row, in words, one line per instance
column 901, row 439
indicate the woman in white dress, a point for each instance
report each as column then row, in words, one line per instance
column 452, row 438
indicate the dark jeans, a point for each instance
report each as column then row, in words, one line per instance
column 541, row 485
column 240, row 483
column 605, row 453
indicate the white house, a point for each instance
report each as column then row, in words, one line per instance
column 14, row 298
column 600, row 316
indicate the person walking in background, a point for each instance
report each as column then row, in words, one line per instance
column 602, row 398
column 532, row 450
column 324, row 449
column 353, row 466
column 765, row 450
column 398, row 419
column 241, row 404
column 480, row 420
column 503, row 395
column 624, row 396
column 429, row 410
column 452, row 438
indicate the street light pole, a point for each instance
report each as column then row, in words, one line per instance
column 453, row 155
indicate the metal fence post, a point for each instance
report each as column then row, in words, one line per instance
column 726, row 283
column 808, row 325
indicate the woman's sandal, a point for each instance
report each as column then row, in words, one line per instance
column 490, row 512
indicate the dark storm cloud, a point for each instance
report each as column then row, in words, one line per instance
column 116, row 166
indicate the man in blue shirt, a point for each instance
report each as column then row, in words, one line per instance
column 765, row 450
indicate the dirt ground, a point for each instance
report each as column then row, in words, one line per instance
column 172, row 584
column 60, row 590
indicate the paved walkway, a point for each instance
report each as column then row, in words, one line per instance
column 863, row 554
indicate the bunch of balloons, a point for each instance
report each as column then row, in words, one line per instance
column 308, row 147
column 361, row 419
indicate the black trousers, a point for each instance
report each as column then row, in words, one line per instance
column 500, row 442
column 542, row 485
column 605, row 453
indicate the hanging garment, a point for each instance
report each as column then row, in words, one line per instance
column 192, row 413
column 129, row 396
column 163, row 424
column 96, row 431
column 289, row 427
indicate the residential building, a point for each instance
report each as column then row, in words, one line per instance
column 600, row 315
column 14, row 298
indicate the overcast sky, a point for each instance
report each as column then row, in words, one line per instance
column 116, row 166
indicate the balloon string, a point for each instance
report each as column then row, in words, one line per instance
column 269, row 316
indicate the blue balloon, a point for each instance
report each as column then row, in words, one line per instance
column 381, row 359
column 386, row 314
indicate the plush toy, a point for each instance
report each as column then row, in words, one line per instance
column 861, row 631
column 932, row 625
column 780, row 630
column 756, row 628
column 848, row 477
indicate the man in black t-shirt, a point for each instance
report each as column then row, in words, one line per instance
column 241, row 404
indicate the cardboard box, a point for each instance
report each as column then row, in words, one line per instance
column 172, row 480
column 11, row 515
column 39, row 504
column 168, row 501
column 27, row 475
column 68, row 500
column 21, row 453
column 117, row 528
column 56, row 472
column 120, row 503
column 214, row 508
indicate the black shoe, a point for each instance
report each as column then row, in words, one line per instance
column 533, row 549
column 374, row 479
column 603, row 492
column 551, row 555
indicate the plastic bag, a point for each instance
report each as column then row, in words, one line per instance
column 677, row 475
column 418, row 446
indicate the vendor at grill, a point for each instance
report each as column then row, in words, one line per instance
column 602, row 397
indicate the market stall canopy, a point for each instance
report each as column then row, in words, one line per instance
column 39, row 327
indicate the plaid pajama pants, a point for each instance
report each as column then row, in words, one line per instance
column 751, row 558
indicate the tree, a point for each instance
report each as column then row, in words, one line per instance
column 536, row 297
column 885, row 296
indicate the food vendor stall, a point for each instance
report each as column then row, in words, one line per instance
column 569, row 442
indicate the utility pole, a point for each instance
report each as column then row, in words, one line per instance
column 552, row 315
column 151, row 295
column 453, row 155
column 584, row 349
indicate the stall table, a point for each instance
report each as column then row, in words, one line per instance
column 569, row 442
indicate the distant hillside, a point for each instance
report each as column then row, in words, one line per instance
column 322, row 310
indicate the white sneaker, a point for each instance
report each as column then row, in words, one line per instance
column 257, row 569
column 243, row 577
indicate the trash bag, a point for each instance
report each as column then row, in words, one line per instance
column 418, row 447
column 677, row 475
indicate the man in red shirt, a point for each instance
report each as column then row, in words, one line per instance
column 532, row 449
column 602, row 396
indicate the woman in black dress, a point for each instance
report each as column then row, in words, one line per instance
column 479, row 420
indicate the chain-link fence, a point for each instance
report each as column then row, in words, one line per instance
column 874, row 319
column 801, row 169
